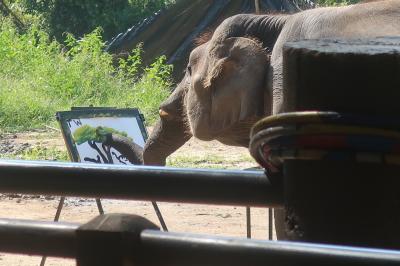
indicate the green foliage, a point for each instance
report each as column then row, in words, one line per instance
column 39, row 152
column 80, row 17
column 38, row 77
column 44, row 153
column 87, row 133
column 210, row 161
column 130, row 67
column 159, row 72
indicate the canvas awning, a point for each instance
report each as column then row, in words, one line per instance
column 171, row 32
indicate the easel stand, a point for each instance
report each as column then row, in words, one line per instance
column 248, row 222
column 248, row 216
column 111, row 117
column 101, row 211
column 270, row 223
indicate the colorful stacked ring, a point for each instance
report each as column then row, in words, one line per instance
column 324, row 136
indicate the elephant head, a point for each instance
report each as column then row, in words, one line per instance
column 224, row 91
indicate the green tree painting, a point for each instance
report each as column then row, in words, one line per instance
column 95, row 136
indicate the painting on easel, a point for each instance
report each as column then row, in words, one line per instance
column 85, row 132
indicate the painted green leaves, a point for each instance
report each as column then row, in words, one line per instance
column 94, row 134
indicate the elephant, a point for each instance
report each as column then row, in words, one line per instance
column 236, row 77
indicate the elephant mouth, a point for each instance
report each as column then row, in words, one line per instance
column 238, row 134
column 235, row 134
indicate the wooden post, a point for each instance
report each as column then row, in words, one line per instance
column 111, row 239
column 257, row 6
column 339, row 202
column 343, row 203
column 352, row 76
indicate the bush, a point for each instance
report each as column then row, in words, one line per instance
column 39, row 77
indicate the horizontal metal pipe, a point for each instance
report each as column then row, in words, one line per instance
column 162, row 248
column 166, row 248
column 38, row 238
column 241, row 188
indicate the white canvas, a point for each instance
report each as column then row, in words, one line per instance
column 129, row 125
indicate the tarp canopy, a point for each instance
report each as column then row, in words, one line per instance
column 171, row 32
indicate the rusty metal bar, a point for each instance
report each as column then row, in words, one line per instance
column 239, row 188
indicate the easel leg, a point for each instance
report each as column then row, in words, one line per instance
column 159, row 215
column 56, row 218
column 99, row 206
column 248, row 222
column 270, row 221
column 58, row 213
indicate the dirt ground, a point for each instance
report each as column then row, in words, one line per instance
column 206, row 219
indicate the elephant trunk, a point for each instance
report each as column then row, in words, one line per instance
column 166, row 137
column 170, row 132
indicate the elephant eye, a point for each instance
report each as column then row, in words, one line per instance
column 189, row 70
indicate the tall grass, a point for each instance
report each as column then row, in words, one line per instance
column 38, row 77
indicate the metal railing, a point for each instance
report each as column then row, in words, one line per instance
column 153, row 247
column 117, row 240
column 239, row 188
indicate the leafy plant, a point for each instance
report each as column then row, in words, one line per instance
column 130, row 67
column 39, row 77
column 160, row 72
column 39, row 152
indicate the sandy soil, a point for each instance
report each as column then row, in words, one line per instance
column 218, row 220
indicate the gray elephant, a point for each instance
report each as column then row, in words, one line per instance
column 235, row 78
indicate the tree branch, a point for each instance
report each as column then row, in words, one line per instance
column 94, row 146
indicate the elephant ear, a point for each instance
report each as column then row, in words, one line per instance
column 231, row 53
column 217, row 70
